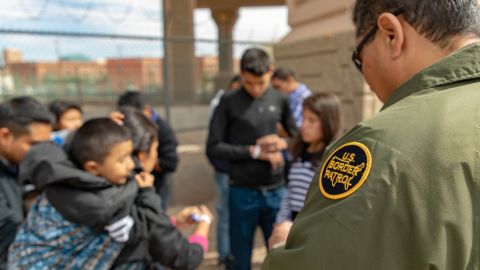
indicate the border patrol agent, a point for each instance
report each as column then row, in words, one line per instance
column 402, row 189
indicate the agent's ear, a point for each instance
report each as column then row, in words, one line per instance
column 91, row 167
column 392, row 32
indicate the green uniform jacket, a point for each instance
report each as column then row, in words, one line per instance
column 419, row 204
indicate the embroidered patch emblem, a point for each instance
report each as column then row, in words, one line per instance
column 345, row 171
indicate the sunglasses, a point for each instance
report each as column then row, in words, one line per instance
column 355, row 55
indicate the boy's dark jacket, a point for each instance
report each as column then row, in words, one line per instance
column 79, row 196
column 90, row 200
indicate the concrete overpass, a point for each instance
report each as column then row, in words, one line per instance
column 178, row 21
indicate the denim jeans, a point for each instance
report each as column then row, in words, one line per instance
column 223, row 237
column 250, row 207
column 163, row 183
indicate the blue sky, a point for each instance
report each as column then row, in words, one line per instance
column 136, row 17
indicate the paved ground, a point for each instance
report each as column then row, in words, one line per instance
column 193, row 184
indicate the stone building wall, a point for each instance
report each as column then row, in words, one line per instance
column 319, row 49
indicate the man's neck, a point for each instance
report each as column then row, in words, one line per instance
column 295, row 86
column 437, row 53
column 421, row 60
column 460, row 42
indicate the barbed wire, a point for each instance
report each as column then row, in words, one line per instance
column 124, row 16
column 37, row 16
column 88, row 8
column 121, row 12
column 66, row 8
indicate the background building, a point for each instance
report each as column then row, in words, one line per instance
column 319, row 49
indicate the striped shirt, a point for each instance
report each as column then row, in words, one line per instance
column 295, row 100
column 300, row 176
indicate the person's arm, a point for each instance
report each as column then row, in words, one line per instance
column 216, row 145
column 287, row 121
column 285, row 212
column 167, row 147
column 169, row 247
column 147, row 200
column 279, row 235
column 282, row 224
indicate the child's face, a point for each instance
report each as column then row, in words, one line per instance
column 14, row 147
column 311, row 129
column 71, row 119
column 149, row 159
column 118, row 164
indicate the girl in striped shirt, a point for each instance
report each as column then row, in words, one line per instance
column 321, row 125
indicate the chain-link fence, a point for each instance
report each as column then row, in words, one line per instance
column 92, row 51
column 92, row 68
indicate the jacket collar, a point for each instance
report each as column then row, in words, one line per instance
column 462, row 65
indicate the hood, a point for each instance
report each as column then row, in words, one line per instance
column 47, row 163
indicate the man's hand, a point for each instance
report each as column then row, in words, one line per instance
column 276, row 160
column 279, row 234
column 272, row 143
column 117, row 117
column 144, row 180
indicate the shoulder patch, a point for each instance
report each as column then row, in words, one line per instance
column 345, row 170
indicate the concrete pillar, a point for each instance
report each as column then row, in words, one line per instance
column 225, row 20
column 181, row 55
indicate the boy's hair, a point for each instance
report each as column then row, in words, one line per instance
column 283, row 74
column 132, row 99
column 95, row 139
column 255, row 61
column 142, row 129
column 18, row 113
column 59, row 107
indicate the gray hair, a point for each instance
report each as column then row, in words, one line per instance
column 437, row 20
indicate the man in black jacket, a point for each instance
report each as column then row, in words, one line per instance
column 23, row 122
column 243, row 131
column 167, row 144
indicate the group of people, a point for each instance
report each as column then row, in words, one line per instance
column 266, row 139
column 89, row 190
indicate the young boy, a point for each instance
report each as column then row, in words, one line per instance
column 23, row 122
column 100, row 196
